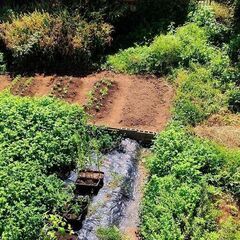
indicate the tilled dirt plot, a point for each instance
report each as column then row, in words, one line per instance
column 140, row 102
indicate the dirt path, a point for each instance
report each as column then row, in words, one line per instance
column 140, row 102
column 4, row 82
column 131, row 220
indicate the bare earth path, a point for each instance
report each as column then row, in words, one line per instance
column 140, row 102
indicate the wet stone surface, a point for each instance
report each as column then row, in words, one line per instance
column 108, row 206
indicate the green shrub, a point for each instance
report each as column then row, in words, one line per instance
column 109, row 233
column 187, row 176
column 132, row 60
column 205, row 16
column 175, row 210
column 187, row 44
column 48, row 36
column 39, row 130
column 197, row 95
column 228, row 230
column 179, row 153
column 229, row 177
column 26, row 195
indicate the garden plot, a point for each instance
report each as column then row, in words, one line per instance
column 114, row 100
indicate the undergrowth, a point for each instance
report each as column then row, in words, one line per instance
column 188, row 175
column 39, row 143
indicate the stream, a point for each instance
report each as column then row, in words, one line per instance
column 118, row 201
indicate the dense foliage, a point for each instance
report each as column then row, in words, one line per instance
column 75, row 34
column 26, row 196
column 187, row 175
column 44, row 36
column 198, row 95
column 179, row 47
column 39, row 130
column 201, row 71
column 40, row 140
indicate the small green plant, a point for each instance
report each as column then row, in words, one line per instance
column 99, row 92
column 109, row 233
column 55, row 225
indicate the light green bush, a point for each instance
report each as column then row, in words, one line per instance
column 187, row 44
column 26, row 195
column 197, row 95
column 39, row 130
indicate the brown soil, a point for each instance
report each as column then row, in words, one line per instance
column 225, row 135
column 141, row 102
column 101, row 108
column 67, row 237
column 42, row 85
column 5, row 81
column 228, row 208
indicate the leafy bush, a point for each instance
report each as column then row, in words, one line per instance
column 179, row 153
column 229, row 177
column 175, row 210
column 207, row 17
column 188, row 44
column 26, row 195
column 187, row 175
column 39, row 130
column 197, row 95
column 46, row 36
